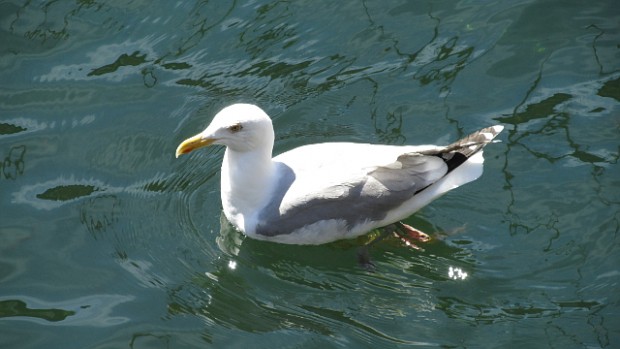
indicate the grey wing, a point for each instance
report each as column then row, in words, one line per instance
column 410, row 172
column 370, row 196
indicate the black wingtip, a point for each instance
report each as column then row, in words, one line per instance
column 458, row 152
column 471, row 144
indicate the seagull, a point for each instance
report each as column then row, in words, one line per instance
column 324, row 192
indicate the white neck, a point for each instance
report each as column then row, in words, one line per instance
column 245, row 185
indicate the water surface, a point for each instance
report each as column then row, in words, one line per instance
column 107, row 240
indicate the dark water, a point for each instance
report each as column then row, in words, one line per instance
column 107, row 241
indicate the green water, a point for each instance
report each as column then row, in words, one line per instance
column 108, row 241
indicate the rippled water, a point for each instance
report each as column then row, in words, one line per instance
column 106, row 240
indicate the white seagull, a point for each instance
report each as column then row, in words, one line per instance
column 323, row 192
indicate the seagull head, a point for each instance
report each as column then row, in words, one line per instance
column 240, row 127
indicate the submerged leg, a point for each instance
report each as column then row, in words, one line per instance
column 363, row 258
column 363, row 253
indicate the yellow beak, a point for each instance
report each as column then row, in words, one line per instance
column 193, row 143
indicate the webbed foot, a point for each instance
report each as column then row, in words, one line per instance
column 409, row 235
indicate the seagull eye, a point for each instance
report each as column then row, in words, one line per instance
column 235, row 128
